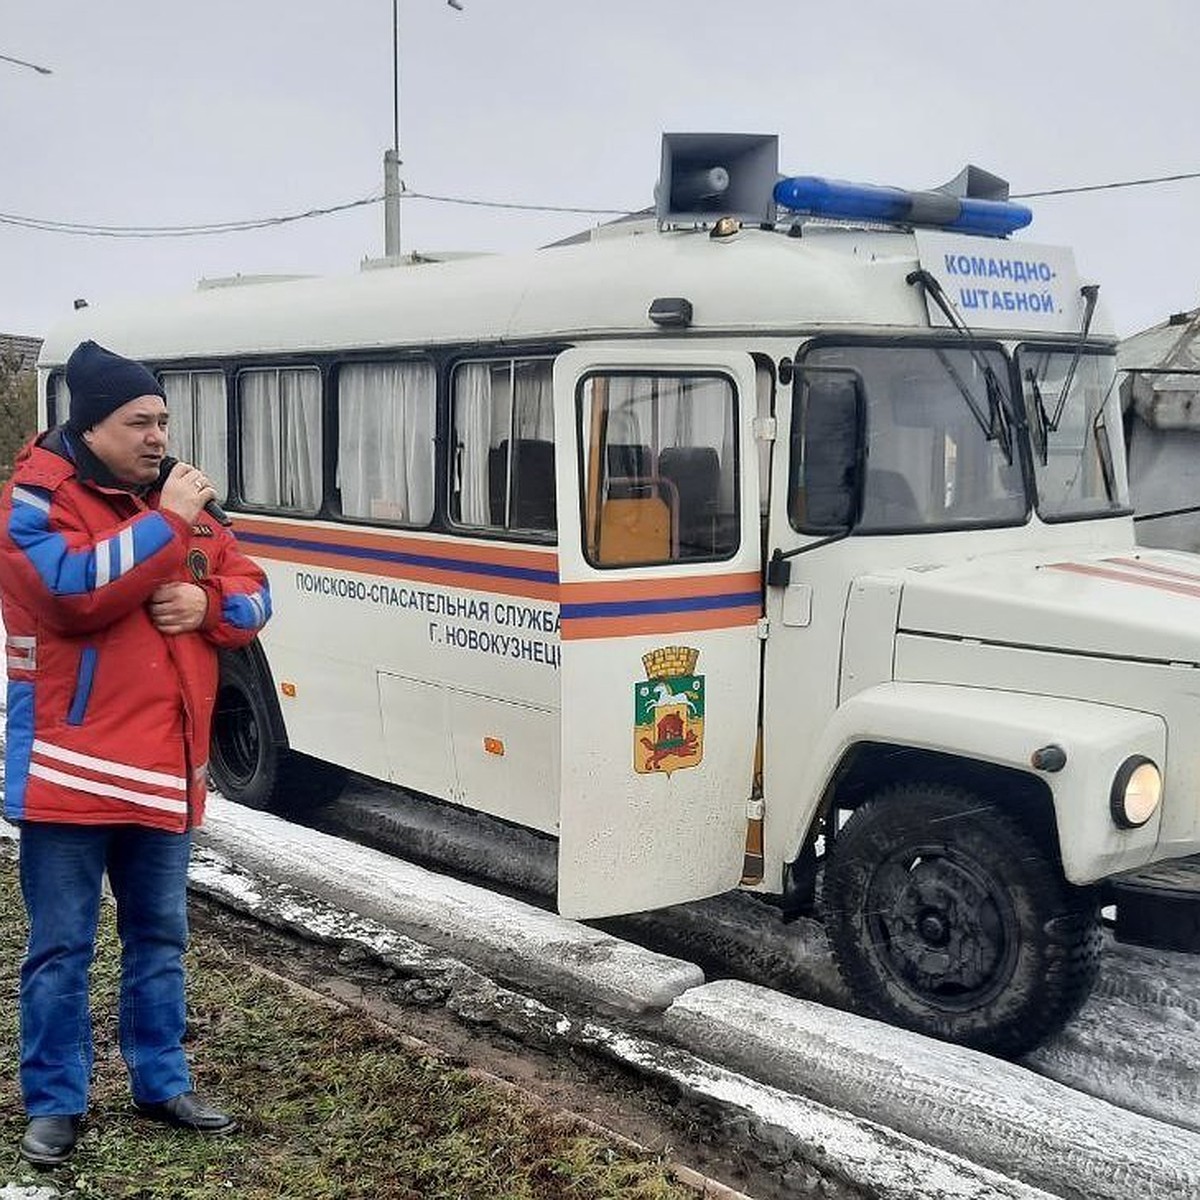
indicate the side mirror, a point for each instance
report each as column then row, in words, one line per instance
column 828, row 418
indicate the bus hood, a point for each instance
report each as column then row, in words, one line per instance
column 1143, row 604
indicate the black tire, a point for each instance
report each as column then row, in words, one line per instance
column 946, row 917
column 249, row 761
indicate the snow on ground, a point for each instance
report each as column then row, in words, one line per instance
column 870, row 1098
column 501, row 934
column 865, row 1152
column 981, row 1110
column 1136, row 1043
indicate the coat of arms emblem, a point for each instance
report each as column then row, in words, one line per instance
column 668, row 712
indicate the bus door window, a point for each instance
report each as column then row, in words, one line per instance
column 197, row 432
column 385, row 457
column 279, row 411
column 503, row 469
column 660, row 471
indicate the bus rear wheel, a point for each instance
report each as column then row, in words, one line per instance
column 946, row 917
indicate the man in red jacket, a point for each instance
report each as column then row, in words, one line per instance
column 117, row 590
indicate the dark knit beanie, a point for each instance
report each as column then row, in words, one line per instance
column 101, row 381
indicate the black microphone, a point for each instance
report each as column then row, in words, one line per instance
column 211, row 507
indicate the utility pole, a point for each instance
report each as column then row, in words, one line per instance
column 20, row 62
column 391, row 157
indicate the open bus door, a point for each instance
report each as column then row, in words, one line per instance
column 660, row 593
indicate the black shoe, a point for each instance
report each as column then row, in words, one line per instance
column 48, row 1141
column 188, row 1111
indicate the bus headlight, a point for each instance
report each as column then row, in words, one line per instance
column 1136, row 791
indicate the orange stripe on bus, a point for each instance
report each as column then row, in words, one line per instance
column 468, row 552
column 412, row 573
column 659, row 588
column 1161, row 585
column 632, row 626
column 1154, row 568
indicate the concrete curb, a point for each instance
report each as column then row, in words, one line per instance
column 980, row 1108
column 800, row 1137
column 506, row 937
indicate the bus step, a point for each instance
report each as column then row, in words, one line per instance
column 1160, row 906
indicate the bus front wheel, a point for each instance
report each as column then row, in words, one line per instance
column 946, row 917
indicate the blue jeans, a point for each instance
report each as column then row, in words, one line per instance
column 61, row 871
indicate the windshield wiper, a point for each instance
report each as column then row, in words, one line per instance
column 982, row 419
column 1104, row 453
column 1041, row 425
column 1089, row 292
column 996, row 427
column 998, row 414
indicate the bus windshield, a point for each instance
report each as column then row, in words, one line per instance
column 938, row 427
column 1079, row 461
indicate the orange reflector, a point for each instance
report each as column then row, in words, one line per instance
column 493, row 746
column 288, row 689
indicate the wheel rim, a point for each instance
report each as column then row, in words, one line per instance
column 943, row 926
column 236, row 737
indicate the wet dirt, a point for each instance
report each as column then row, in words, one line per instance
column 659, row 1119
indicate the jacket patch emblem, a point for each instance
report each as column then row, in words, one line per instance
column 202, row 531
column 197, row 562
column 668, row 712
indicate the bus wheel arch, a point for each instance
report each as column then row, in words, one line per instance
column 250, row 761
column 867, row 767
column 946, row 916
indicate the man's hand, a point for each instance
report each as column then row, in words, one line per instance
column 186, row 491
column 178, row 607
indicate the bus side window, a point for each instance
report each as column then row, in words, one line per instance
column 279, row 437
column 386, row 441
column 197, row 430
column 502, row 473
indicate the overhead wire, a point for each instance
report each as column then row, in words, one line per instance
column 1105, row 187
column 208, row 228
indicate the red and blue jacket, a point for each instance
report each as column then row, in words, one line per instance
column 109, row 719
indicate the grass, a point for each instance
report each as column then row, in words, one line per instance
column 332, row 1108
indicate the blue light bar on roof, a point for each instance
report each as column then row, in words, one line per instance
column 839, row 200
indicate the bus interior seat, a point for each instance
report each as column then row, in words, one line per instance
column 533, row 499
column 636, row 529
column 497, row 466
column 533, row 502
column 630, row 469
column 695, row 474
column 889, row 501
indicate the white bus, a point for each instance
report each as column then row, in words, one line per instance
column 757, row 538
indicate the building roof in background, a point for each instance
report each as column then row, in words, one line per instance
column 28, row 348
column 1172, row 346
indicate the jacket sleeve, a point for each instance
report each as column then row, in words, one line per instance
column 239, row 596
column 77, row 579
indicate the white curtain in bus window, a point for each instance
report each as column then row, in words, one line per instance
column 662, row 476
column 504, row 441
column 474, row 420
column 280, row 437
column 197, row 432
column 385, row 441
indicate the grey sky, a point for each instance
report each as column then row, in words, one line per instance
column 167, row 114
